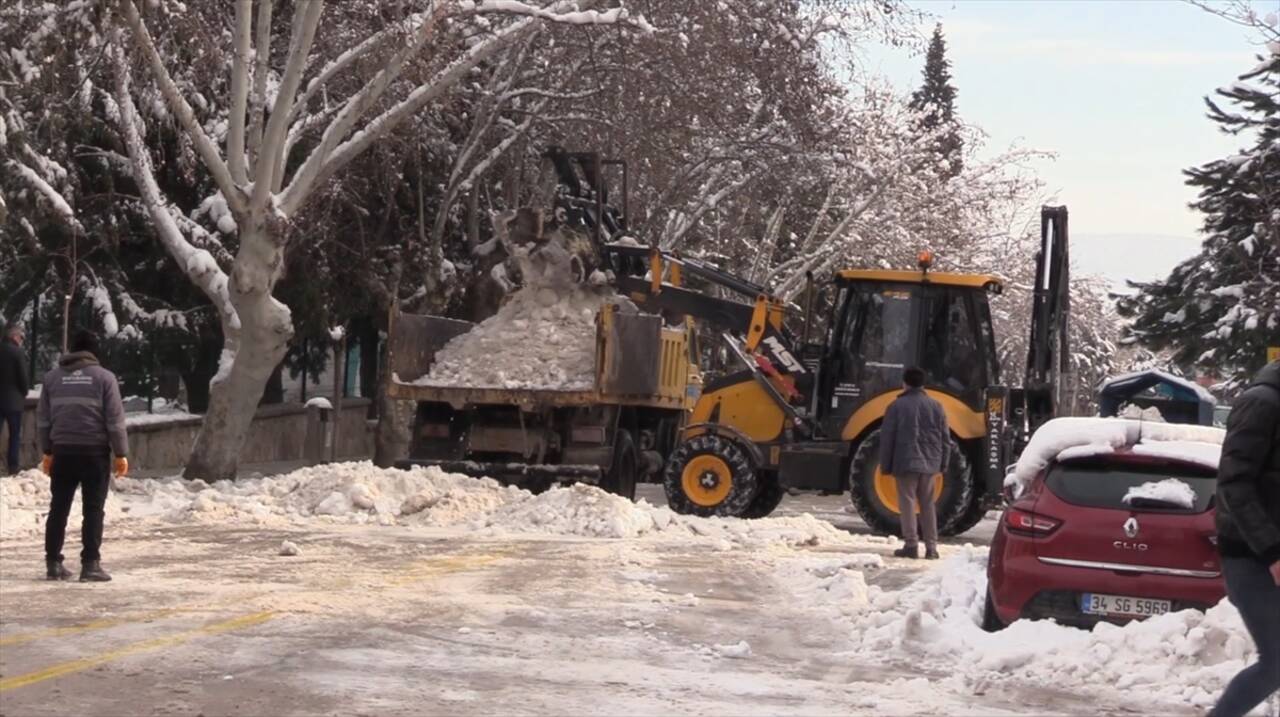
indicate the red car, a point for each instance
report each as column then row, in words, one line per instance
column 1073, row 549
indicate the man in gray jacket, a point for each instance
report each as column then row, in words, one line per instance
column 914, row 443
column 81, row 423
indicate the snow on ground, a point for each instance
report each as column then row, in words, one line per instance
column 540, row 339
column 1076, row 437
column 1183, row 657
column 1170, row 490
column 359, row 493
column 786, row 614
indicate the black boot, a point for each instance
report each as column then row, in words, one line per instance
column 91, row 572
column 56, row 571
column 930, row 553
column 907, row 551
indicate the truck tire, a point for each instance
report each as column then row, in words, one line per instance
column 767, row 500
column 869, row 489
column 623, row 472
column 711, row 475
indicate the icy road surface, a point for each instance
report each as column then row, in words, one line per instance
column 207, row 616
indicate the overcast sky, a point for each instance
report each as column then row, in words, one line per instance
column 1115, row 88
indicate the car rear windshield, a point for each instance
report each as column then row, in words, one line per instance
column 1097, row 485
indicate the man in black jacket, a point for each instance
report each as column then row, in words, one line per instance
column 13, row 390
column 1248, row 516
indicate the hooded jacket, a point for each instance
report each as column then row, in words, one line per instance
column 80, row 408
column 1248, row 497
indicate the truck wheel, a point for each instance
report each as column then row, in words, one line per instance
column 621, row 479
column 711, row 475
column 875, row 494
column 767, row 500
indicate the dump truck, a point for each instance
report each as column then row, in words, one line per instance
column 617, row 432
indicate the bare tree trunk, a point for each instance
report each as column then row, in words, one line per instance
column 258, row 346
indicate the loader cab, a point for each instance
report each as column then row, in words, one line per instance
column 883, row 321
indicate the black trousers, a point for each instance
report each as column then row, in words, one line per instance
column 92, row 474
column 12, row 419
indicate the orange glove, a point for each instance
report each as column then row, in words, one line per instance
column 121, row 466
column 46, row 464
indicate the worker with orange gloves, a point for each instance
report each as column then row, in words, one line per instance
column 81, row 424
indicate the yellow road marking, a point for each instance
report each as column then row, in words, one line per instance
column 86, row 663
column 436, row 566
column 85, row 627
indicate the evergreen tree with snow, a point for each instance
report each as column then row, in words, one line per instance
column 1220, row 309
column 935, row 103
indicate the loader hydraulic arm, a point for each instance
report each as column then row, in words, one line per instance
column 1047, row 352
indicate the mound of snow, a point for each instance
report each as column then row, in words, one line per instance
column 580, row 510
column 361, row 493
column 1186, row 656
column 1170, row 490
column 540, row 339
column 24, row 505
column 1066, row 438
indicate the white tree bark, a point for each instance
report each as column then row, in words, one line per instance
column 252, row 178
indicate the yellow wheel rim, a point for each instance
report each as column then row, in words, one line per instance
column 887, row 489
column 707, row 480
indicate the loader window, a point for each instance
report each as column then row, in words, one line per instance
column 953, row 355
column 886, row 329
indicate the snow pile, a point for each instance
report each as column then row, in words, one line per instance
column 359, row 493
column 540, row 339
column 1186, row 656
column 580, row 510
column 1170, row 491
column 835, row 584
column 1067, row 438
column 24, row 505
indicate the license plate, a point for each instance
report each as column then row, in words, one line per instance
column 1122, row 606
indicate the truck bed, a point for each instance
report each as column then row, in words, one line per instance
column 638, row 363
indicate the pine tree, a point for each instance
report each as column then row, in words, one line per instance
column 1221, row 308
column 935, row 102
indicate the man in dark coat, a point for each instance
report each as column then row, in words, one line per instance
column 81, row 422
column 1248, row 517
column 13, row 390
column 914, row 443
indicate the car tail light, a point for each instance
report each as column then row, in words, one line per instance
column 1028, row 523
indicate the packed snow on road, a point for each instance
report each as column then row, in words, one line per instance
column 574, row 597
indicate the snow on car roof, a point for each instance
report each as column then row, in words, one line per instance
column 1076, row 437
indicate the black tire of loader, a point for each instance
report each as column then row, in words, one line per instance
column 745, row 485
column 956, row 495
column 623, row 473
column 972, row 515
column 767, row 500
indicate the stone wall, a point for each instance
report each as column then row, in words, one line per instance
column 284, row 432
